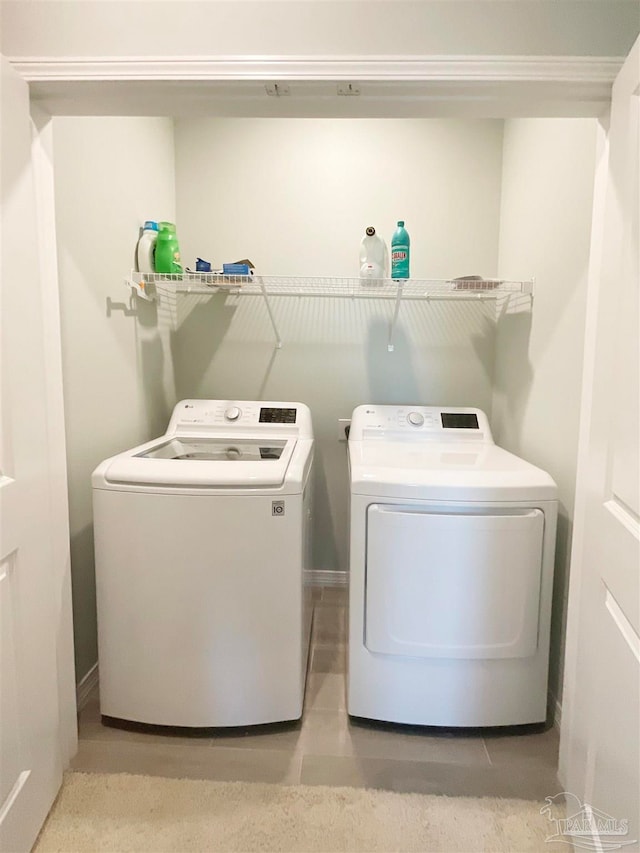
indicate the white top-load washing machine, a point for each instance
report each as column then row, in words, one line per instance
column 451, row 571
column 201, row 540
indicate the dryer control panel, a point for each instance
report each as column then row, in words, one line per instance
column 231, row 416
column 415, row 423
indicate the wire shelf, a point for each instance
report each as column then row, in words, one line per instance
column 355, row 288
column 152, row 286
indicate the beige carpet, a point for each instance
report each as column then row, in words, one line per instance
column 117, row 813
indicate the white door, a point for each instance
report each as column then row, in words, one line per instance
column 34, row 615
column 600, row 747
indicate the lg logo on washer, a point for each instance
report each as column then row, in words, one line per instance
column 277, row 507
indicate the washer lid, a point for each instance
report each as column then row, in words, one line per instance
column 216, row 449
column 445, row 471
column 191, row 461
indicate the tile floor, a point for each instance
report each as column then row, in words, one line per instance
column 327, row 748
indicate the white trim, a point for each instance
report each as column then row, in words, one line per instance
column 596, row 843
column 86, row 686
column 623, row 625
column 326, row 577
column 13, row 794
column 574, row 610
column 624, row 515
column 567, row 69
column 45, row 229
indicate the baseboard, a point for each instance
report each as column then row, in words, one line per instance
column 86, row 686
column 326, row 577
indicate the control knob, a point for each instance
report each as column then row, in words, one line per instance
column 233, row 413
column 415, row 418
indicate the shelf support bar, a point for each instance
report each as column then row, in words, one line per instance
column 265, row 296
column 142, row 289
column 394, row 320
column 502, row 309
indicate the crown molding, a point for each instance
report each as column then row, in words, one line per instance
column 493, row 69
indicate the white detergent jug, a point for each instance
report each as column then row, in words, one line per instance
column 146, row 247
column 374, row 256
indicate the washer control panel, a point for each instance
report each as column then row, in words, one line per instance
column 417, row 422
column 246, row 415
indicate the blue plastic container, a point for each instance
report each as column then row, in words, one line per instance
column 235, row 269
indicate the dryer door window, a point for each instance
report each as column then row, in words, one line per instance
column 453, row 585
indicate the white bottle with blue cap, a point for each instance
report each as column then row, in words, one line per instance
column 146, row 248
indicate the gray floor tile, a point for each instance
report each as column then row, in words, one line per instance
column 331, row 658
column 325, row 733
column 399, row 742
column 325, row 692
column 333, row 733
column 426, row 777
column 191, row 762
column 285, row 738
column 335, row 595
column 329, row 624
column 90, row 727
column 540, row 747
column 316, row 593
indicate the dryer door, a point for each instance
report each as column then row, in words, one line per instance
column 452, row 584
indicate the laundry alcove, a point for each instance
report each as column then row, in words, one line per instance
column 501, row 198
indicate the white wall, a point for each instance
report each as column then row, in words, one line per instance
column 547, row 195
column 295, row 196
column 110, row 175
column 128, row 28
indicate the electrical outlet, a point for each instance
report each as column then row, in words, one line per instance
column 343, row 424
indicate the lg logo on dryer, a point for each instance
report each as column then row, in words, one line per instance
column 277, row 507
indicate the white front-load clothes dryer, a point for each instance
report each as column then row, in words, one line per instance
column 451, row 570
column 201, row 541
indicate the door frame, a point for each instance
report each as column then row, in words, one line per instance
column 430, row 86
column 495, row 86
column 41, row 735
column 589, row 436
column 43, row 179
